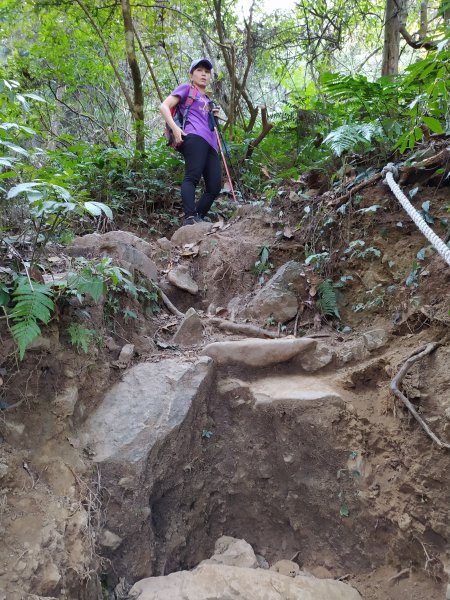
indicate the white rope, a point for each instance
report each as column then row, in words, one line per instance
column 389, row 171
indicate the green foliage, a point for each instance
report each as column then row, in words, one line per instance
column 327, row 299
column 81, row 337
column 263, row 266
column 357, row 249
column 32, row 303
column 353, row 136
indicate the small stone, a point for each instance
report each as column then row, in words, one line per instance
column 286, row 567
column 262, row 562
column 234, row 552
column 3, row 470
column 49, row 579
column 374, row 339
column 21, row 565
column 404, row 522
column 447, row 595
column 111, row 344
column 181, row 278
column 40, row 343
column 69, row 373
column 110, row 540
column 317, row 359
column 164, row 244
column 125, row 356
column 65, row 402
column 447, row 413
column 190, row 331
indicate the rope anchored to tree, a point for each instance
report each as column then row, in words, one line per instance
column 390, row 173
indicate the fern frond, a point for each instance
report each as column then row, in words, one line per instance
column 32, row 304
column 327, row 299
column 347, row 137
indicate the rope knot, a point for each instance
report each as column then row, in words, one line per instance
column 390, row 168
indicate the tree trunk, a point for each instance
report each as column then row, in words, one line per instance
column 391, row 47
column 138, row 93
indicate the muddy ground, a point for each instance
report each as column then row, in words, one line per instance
column 357, row 491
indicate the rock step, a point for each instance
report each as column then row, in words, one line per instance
column 289, row 388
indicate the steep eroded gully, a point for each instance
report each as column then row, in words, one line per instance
column 325, row 479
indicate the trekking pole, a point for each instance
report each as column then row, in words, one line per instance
column 236, row 178
column 225, row 163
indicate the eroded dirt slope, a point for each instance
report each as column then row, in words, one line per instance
column 355, row 489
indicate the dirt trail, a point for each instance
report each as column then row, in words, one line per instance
column 309, row 460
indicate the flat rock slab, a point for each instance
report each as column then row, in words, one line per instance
column 143, row 408
column 223, row 582
column 190, row 234
column 295, row 388
column 257, row 352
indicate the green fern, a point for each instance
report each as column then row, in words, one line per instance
column 32, row 304
column 327, row 299
column 349, row 136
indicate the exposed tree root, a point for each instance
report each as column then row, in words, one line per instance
column 415, row 356
column 246, row 329
column 171, row 307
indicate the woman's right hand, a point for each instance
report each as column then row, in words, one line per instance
column 178, row 134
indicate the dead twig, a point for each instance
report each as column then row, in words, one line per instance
column 399, row 575
column 246, row 329
column 415, row 356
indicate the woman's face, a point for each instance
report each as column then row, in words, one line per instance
column 200, row 76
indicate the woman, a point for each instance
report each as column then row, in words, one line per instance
column 196, row 142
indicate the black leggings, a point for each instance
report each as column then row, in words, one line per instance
column 199, row 159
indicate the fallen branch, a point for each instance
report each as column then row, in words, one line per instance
column 415, row 356
column 337, row 202
column 251, row 330
column 404, row 173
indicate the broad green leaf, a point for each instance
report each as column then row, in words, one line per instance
column 97, row 208
column 34, row 97
column 14, row 147
column 433, row 124
column 22, row 187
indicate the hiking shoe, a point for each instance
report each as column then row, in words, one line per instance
column 190, row 220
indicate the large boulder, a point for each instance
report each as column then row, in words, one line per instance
column 130, row 251
column 278, row 299
column 224, row 582
column 143, row 408
column 257, row 352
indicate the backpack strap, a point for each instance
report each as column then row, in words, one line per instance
column 190, row 100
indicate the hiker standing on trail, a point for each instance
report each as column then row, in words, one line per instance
column 195, row 140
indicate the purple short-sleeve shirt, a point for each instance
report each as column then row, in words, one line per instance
column 197, row 121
